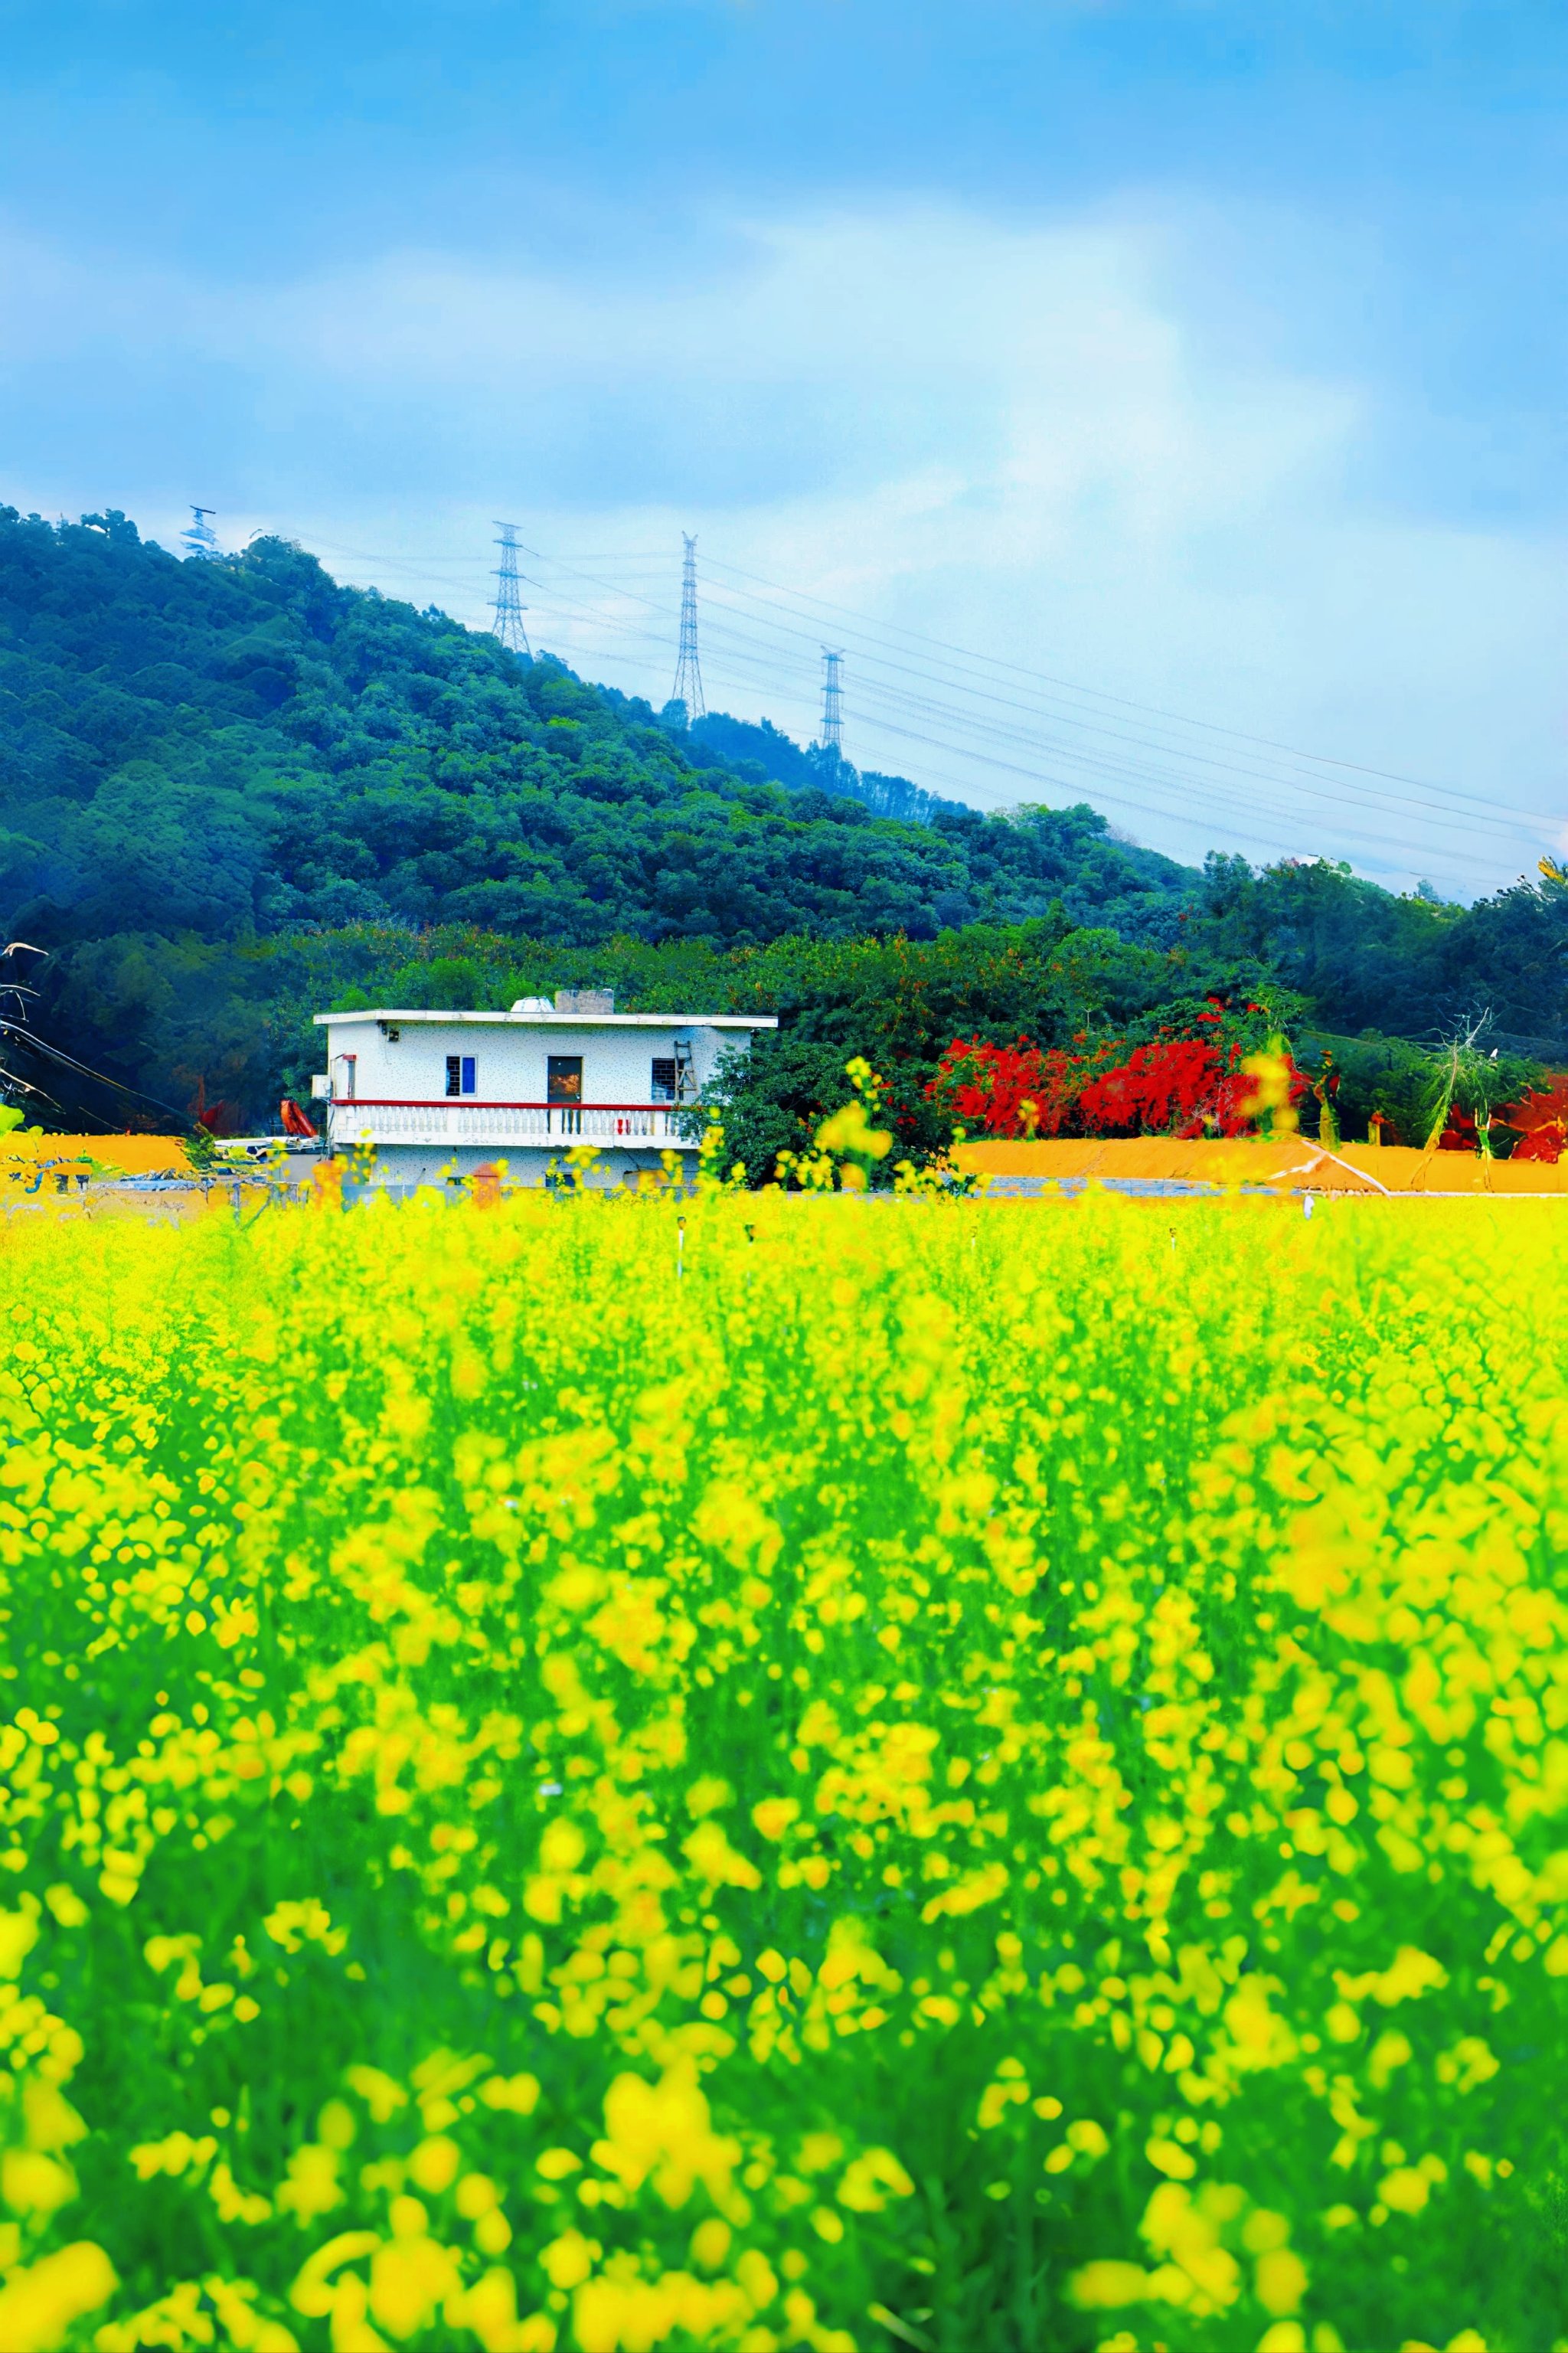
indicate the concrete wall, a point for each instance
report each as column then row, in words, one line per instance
column 511, row 1055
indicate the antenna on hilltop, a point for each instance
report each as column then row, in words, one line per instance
column 688, row 687
column 510, row 607
column 832, row 737
column 198, row 537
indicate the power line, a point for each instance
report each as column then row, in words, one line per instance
column 1001, row 703
column 1510, row 824
column 1139, row 808
column 960, row 659
column 1484, row 813
column 1098, row 769
column 1098, row 783
column 32, row 1042
column 1150, row 798
column 1098, row 694
column 1095, row 767
column 877, row 695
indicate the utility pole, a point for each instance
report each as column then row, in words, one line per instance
column 198, row 537
column 688, row 687
column 832, row 738
column 510, row 607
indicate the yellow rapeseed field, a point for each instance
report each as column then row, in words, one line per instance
column 956, row 1775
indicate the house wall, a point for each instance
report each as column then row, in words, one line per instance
column 456, row 1136
column 511, row 1057
column 400, row 1169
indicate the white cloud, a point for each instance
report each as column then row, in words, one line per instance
column 1012, row 437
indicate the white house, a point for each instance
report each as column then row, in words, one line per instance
column 440, row 1093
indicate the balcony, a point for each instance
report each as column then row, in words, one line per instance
column 498, row 1127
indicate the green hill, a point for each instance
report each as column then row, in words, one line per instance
column 243, row 745
column 230, row 789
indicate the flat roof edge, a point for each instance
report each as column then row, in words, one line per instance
column 560, row 1020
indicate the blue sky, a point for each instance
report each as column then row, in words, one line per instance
column 1206, row 357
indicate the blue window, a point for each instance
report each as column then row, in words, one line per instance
column 459, row 1074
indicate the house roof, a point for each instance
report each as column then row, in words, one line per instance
column 555, row 1021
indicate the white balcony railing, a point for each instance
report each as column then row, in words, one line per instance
column 491, row 1127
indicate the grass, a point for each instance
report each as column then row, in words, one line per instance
column 962, row 1776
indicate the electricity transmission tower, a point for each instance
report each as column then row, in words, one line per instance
column 198, row 537
column 832, row 738
column 509, row 606
column 688, row 687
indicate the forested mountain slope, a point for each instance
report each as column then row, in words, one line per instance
column 243, row 745
column 764, row 750
column 229, row 791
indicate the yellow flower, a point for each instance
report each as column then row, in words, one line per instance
column 409, row 2278
column 1107, row 2285
column 1280, row 2281
column 568, row 2259
column 39, row 2307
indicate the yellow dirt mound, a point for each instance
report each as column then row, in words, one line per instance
column 132, row 1155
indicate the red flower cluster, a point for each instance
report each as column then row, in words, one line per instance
column 1540, row 1119
column 1174, row 1086
column 1008, row 1090
column 1180, row 1086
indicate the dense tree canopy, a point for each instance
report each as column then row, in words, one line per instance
column 1412, row 965
column 243, row 746
column 231, row 790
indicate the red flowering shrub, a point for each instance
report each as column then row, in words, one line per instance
column 1459, row 1132
column 1540, row 1121
column 1178, row 1086
column 1172, row 1086
column 1017, row 1090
